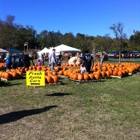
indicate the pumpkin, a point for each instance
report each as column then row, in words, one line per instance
column 55, row 78
column 97, row 76
column 120, row 73
column 75, row 76
column 56, row 68
column 14, row 74
column 65, row 73
column 86, row 77
column 80, row 76
column 54, row 73
column 48, row 79
column 38, row 68
column 91, row 76
column 130, row 70
column 107, row 74
column 103, row 74
column 7, row 75
column 115, row 72
column 60, row 72
column 20, row 73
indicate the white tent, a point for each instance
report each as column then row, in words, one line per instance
column 42, row 52
column 3, row 51
column 45, row 50
column 65, row 48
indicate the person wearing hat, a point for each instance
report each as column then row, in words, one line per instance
column 52, row 59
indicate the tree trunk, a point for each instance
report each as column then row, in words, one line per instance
column 119, row 56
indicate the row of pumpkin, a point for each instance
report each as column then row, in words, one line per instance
column 51, row 77
column 73, row 72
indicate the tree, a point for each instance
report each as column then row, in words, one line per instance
column 135, row 40
column 118, row 32
column 68, row 39
column 13, row 35
column 106, row 43
column 7, row 32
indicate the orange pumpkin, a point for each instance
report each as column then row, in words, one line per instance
column 65, row 73
column 7, row 75
column 107, row 74
column 115, row 72
column 14, row 74
column 75, row 76
column 86, row 77
column 56, row 68
column 120, row 73
column 91, row 76
column 55, row 78
column 97, row 76
column 20, row 73
column 103, row 74
column 80, row 76
column 60, row 72
column 48, row 79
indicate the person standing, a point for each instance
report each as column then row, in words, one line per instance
column 52, row 59
column 8, row 61
column 87, row 61
column 38, row 62
column 59, row 59
column 42, row 60
column 78, row 61
column 101, row 60
column 27, row 61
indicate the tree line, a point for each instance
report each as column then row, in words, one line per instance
column 14, row 35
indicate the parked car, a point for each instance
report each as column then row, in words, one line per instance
column 135, row 54
column 111, row 54
column 125, row 54
column 116, row 55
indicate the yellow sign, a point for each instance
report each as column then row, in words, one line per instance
column 35, row 78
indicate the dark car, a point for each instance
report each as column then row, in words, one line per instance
column 125, row 54
column 116, row 55
column 111, row 54
column 135, row 54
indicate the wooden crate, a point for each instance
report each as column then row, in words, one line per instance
column 53, row 84
column 84, row 81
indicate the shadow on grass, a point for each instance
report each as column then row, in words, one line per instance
column 2, row 84
column 59, row 94
column 14, row 116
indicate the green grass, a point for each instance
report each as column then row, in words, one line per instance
column 99, row 110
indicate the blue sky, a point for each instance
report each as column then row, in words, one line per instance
column 90, row 17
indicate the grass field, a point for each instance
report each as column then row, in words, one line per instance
column 105, row 110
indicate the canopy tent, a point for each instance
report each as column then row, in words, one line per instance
column 65, row 48
column 3, row 51
column 45, row 50
column 15, row 51
column 42, row 52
